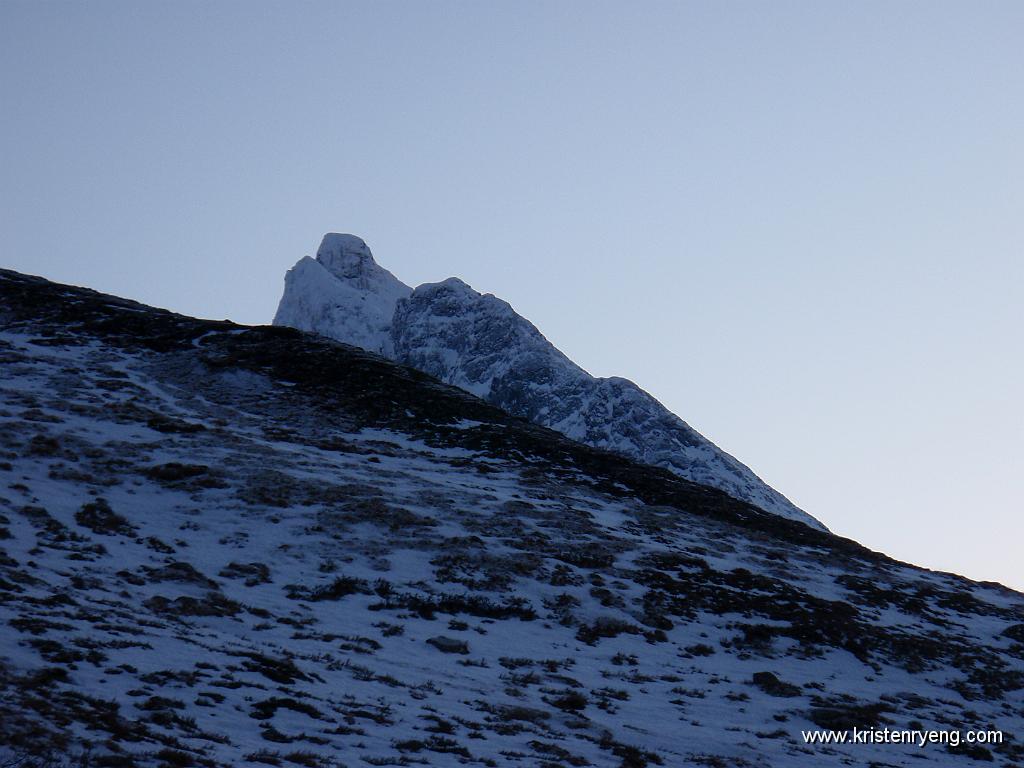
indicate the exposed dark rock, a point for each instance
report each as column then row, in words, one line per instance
column 449, row 644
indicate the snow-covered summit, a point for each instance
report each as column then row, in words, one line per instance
column 348, row 257
column 342, row 294
column 479, row 343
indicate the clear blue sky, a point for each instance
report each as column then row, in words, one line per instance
column 798, row 224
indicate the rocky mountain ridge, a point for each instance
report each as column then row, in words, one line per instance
column 480, row 344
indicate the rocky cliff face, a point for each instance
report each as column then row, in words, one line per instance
column 480, row 344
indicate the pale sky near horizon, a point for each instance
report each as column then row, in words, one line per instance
column 798, row 224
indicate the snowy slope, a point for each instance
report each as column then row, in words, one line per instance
column 223, row 545
column 480, row 344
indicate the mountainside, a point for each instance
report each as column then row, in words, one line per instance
column 478, row 343
column 223, row 545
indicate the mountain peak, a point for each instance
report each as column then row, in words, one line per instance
column 451, row 286
column 345, row 256
column 457, row 284
column 342, row 294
